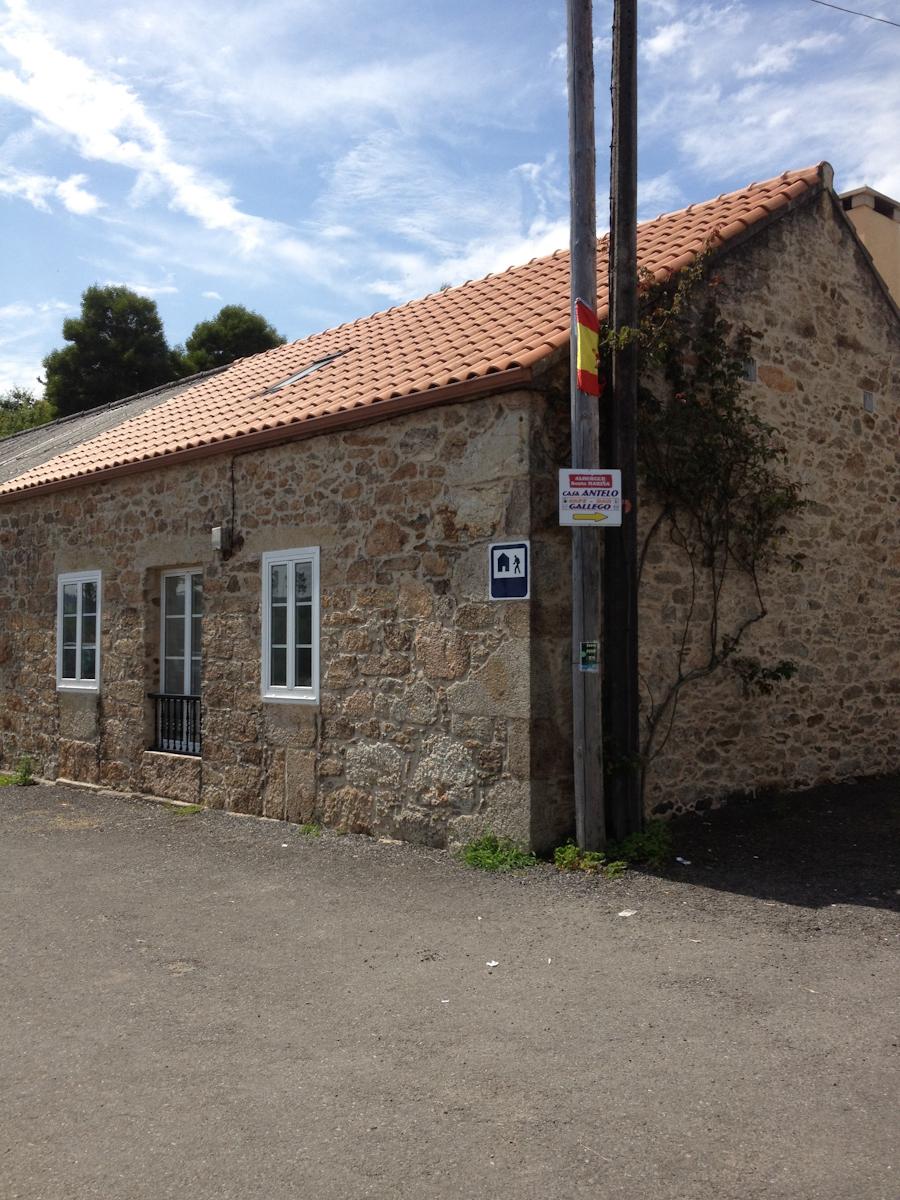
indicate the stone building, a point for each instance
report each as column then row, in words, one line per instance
column 266, row 588
column 876, row 218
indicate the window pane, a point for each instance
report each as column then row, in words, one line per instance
column 195, row 635
column 278, row 670
column 89, row 597
column 196, row 595
column 173, row 676
column 278, row 579
column 174, row 637
column 195, row 676
column 88, row 662
column 174, row 595
column 69, row 630
column 68, row 662
column 289, row 623
column 303, row 625
column 70, row 597
column 303, row 581
column 279, row 624
column 88, row 629
column 303, row 668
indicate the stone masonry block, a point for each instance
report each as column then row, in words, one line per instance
column 300, row 785
column 172, row 776
column 349, row 809
column 78, row 760
column 78, row 716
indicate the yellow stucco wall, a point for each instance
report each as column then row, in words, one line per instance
column 881, row 237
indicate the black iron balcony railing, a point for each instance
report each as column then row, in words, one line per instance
column 177, row 723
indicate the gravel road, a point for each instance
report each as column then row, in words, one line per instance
column 202, row 1005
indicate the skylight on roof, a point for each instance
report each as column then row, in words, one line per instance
column 321, row 362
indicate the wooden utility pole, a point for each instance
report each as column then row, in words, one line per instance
column 620, row 607
column 586, row 547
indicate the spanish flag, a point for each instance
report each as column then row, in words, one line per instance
column 587, row 332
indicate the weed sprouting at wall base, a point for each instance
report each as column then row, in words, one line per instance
column 492, row 853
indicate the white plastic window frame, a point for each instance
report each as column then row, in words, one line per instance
column 78, row 684
column 175, row 573
column 289, row 693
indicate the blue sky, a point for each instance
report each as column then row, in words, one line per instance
column 317, row 162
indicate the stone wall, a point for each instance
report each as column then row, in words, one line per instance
column 424, row 726
column 827, row 333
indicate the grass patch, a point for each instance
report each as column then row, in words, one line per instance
column 22, row 776
column 593, row 862
column 310, row 829
column 651, row 847
column 184, row 810
column 492, row 853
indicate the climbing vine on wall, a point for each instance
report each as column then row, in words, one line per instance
column 715, row 473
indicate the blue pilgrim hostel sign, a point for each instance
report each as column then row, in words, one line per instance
column 509, row 568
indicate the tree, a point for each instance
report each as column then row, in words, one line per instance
column 21, row 409
column 235, row 332
column 117, row 348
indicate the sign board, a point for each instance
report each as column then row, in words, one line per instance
column 590, row 498
column 590, row 657
column 509, row 568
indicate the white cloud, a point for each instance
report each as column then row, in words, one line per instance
column 143, row 289
column 601, row 44
column 38, row 190
column 660, row 193
column 10, row 312
column 415, row 274
column 75, row 197
column 243, row 70
column 211, row 296
column 773, row 60
column 87, row 83
column 432, row 225
column 28, row 327
column 19, row 309
column 756, row 94
column 665, row 41
column 19, row 371
column 33, row 188
column 106, row 121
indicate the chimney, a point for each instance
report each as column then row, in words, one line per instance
column 877, row 221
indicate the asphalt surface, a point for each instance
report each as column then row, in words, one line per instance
column 210, row 1006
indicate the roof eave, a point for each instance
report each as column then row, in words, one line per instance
column 459, row 392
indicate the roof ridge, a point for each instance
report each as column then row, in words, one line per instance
column 559, row 252
column 784, row 177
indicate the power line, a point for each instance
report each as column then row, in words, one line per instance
column 854, row 13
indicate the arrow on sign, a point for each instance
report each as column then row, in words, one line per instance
column 589, row 517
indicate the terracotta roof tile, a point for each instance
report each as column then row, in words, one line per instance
column 455, row 339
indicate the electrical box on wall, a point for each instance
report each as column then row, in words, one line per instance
column 221, row 539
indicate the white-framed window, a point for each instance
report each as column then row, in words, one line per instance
column 290, row 625
column 78, row 631
column 180, row 639
column 181, row 613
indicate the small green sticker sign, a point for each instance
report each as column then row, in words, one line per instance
column 590, row 657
